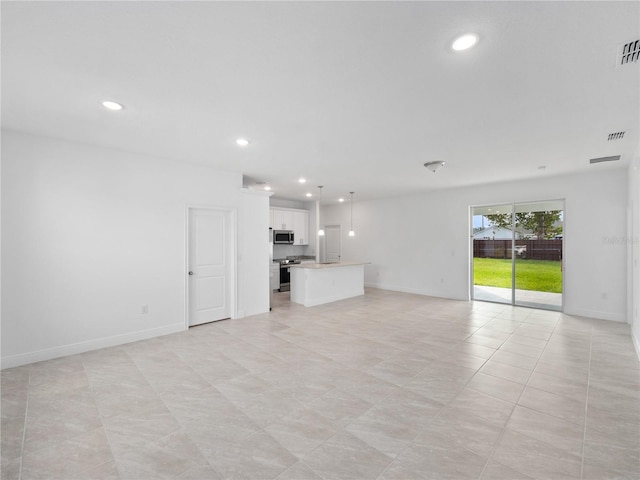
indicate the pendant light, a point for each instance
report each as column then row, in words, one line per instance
column 351, row 232
column 321, row 231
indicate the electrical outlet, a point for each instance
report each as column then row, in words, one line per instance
column 144, row 309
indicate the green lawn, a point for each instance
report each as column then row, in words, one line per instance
column 539, row 275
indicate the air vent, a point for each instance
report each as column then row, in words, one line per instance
column 629, row 53
column 615, row 136
column 604, row 159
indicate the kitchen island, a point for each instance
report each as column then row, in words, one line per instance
column 318, row 283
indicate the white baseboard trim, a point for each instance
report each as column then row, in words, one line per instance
column 614, row 317
column 81, row 347
column 395, row 288
column 415, row 291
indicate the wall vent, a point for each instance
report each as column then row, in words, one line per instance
column 604, row 159
column 615, row 136
column 629, row 53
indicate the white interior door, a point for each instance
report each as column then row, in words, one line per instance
column 209, row 266
column 332, row 243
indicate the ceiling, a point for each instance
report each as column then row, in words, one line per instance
column 354, row 96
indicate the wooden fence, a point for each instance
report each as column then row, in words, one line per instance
column 530, row 249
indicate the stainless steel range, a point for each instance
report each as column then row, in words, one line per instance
column 285, row 277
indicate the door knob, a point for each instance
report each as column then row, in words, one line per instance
column 190, row 273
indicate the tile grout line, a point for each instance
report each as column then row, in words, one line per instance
column 504, row 429
column 93, row 396
column 261, row 428
column 171, row 411
column 363, row 339
column 446, row 404
column 24, row 430
column 586, row 405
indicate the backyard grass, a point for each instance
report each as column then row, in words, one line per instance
column 538, row 275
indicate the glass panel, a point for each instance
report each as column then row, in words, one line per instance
column 492, row 253
column 538, row 254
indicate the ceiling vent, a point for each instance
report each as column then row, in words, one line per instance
column 604, row 159
column 615, row 136
column 628, row 53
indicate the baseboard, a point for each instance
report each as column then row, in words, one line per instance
column 415, row 291
column 614, row 317
column 395, row 288
column 81, row 347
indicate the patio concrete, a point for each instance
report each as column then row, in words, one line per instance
column 525, row 298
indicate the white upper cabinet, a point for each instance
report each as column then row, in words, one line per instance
column 282, row 219
column 291, row 219
column 301, row 227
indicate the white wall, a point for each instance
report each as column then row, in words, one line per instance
column 633, row 249
column 89, row 235
column 254, row 261
column 421, row 244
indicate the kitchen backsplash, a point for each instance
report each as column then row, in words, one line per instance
column 283, row 251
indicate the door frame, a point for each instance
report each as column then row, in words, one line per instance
column 513, row 234
column 231, row 245
column 324, row 243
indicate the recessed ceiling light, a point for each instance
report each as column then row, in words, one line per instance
column 302, row 180
column 341, row 200
column 309, row 195
column 109, row 105
column 267, row 188
column 464, row 42
column 242, row 142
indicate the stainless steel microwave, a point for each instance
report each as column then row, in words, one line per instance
column 283, row 236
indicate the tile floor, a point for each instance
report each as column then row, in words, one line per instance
column 384, row 386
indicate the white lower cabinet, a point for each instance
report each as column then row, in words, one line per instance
column 275, row 276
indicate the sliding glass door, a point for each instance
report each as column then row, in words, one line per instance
column 517, row 253
column 538, row 266
column 492, row 252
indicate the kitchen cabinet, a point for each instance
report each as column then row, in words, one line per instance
column 317, row 283
column 291, row 219
column 275, row 276
column 282, row 219
column 301, row 227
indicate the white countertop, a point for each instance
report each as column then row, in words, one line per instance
column 319, row 266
